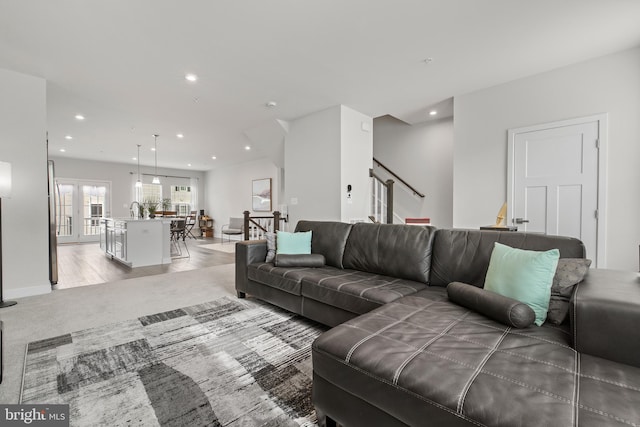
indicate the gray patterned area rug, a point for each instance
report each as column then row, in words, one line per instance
column 228, row 362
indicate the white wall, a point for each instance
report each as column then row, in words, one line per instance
column 324, row 152
column 609, row 84
column 356, row 154
column 228, row 190
column 25, row 218
column 119, row 174
column 422, row 155
column 312, row 171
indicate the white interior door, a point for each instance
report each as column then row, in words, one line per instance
column 80, row 205
column 555, row 182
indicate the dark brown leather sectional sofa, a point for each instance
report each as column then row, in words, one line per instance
column 402, row 354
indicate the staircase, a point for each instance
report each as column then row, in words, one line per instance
column 382, row 198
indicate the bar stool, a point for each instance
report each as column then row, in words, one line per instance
column 178, row 232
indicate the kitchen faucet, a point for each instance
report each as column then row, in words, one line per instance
column 135, row 214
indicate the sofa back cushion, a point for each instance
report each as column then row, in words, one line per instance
column 402, row 251
column 327, row 238
column 463, row 255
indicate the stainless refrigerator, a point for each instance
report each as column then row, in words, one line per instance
column 53, row 238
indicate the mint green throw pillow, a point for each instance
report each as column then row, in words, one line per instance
column 293, row 243
column 523, row 275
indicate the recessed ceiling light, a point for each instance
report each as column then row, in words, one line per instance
column 68, row 137
column 62, row 150
column 271, row 104
column 153, row 148
column 428, row 60
column 247, row 148
column 433, row 112
column 189, row 164
column 134, row 158
column 79, row 117
column 213, row 157
column 179, row 135
column 191, row 77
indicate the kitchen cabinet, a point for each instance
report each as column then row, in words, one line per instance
column 136, row 242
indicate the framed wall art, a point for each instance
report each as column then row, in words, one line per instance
column 261, row 195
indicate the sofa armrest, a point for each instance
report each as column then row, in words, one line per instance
column 248, row 252
column 605, row 316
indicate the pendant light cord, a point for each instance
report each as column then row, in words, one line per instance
column 138, row 162
column 155, row 140
column 156, row 180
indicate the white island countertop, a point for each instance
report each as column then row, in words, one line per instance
column 137, row 242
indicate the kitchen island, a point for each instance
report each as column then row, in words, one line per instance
column 136, row 242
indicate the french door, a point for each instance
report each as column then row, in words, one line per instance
column 79, row 207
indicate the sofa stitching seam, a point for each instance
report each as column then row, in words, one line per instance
column 319, row 284
column 386, row 283
column 363, row 340
column 510, row 380
column 511, row 353
column 418, row 396
column 479, row 369
column 419, row 350
column 576, row 389
column 339, row 288
column 443, row 299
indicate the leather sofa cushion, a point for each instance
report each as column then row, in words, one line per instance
column 328, row 238
column 605, row 316
column 442, row 355
column 402, row 251
column 287, row 279
column 463, row 255
column 357, row 291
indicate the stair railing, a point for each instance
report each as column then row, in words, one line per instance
column 392, row 173
column 255, row 227
column 381, row 199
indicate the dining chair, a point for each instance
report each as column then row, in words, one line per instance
column 235, row 227
column 190, row 223
column 178, row 232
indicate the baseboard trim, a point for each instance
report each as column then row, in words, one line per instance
column 26, row 292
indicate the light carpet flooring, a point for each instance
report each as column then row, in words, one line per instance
column 223, row 247
column 68, row 310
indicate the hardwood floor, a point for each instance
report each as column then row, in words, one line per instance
column 84, row 264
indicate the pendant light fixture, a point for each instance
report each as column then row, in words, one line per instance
column 156, row 180
column 139, row 181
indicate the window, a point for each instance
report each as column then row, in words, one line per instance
column 180, row 194
column 152, row 193
column 181, row 199
column 96, row 214
column 93, row 204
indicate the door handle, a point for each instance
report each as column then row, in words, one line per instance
column 521, row 220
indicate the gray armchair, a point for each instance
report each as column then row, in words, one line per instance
column 235, row 227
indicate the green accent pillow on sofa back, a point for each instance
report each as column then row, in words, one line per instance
column 523, row 275
column 293, row 243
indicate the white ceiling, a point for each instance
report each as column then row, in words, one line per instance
column 121, row 63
